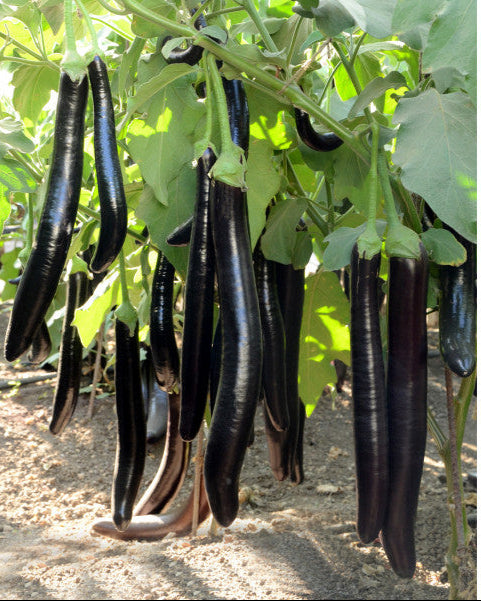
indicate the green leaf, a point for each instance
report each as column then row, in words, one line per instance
column 436, row 150
column 32, row 89
column 162, row 220
column 442, row 247
column 162, row 144
column 302, row 250
column 367, row 67
column 376, row 88
column 12, row 136
column 90, row 316
column 412, row 21
column 448, row 77
column 128, row 66
column 324, row 335
column 279, row 240
column 14, row 177
column 263, row 183
column 267, row 121
column 144, row 92
column 8, row 270
column 128, row 315
column 4, row 206
column 145, row 29
column 337, row 254
column 452, row 41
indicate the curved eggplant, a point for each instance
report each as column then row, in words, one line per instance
column 312, row 138
column 44, row 266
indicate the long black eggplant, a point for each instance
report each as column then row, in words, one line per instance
column 241, row 358
column 274, row 342
column 193, row 53
column 457, row 313
column 44, row 266
column 113, row 206
column 156, row 401
column 241, row 362
column 198, row 309
column 312, row 138
column 131, row 443
column 407, row 406
column 369, row 397
column 180, row 236
column 169, row 478
column 290, row 289
column 162, row 337
column 70, row 362
column 41, row 343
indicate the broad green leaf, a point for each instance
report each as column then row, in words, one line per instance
column 144, row 92
column 146, row 29
column 263, row 183
column 367, row 67
column 436, row 150
column 162, row 220
column 284, row 37
column 14, row 176
column 324, row 335
column 90, row 316
column 350, row 173
column 442, row 247
column 12, row 136
column 248, row 27
column 448, row 77
column 279, row 240
column 32, row 89
column 4, row 206
column 266, row 119
column 452, row 41
column 162, row 143
column 376, row 88
column 302, row 250
column 128, row 66
column 373, row 17
column 412, row 21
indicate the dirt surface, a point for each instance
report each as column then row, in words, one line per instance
column 288, row 542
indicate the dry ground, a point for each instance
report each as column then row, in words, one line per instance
column 288, row 542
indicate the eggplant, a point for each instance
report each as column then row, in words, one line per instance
column 46, row 261
column 407, row 406
column 312, row 138
column 371, row 439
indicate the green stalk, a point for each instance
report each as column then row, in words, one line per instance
column 224, row 11
column 90, row 27
column 26, row 61
column 259, row 23
column 292, row 45
column 215, row 83
column 331, row 214
column 458, row 562
column 317, row 219
column 116, row 30
column 406, row 200
column 21, row 46
column 369, row 243
column 289, row 91
column 73, row 64
column 126, row 311
column 115, row 11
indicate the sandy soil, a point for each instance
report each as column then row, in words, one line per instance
column 288, row 542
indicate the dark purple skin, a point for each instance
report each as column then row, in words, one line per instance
column 273, row 340
column 457, row 313
column 369, row 398
column 165, row 355
column 290, row 290
column 131, row 442
column 44, row 266
column 192, row 54
column 241, row 362
column 198, row 309
column 156, row 401
column 169, row 478
column 181, row 235
column 310, row 137
column 278, row 448
column 41, row 345
column 70, row 362
column 113, row 206
column 407, row 406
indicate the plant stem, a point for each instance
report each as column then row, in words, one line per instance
column 389, row 205
column 116, row 11
column 289, row 91
column 26, row 61
column 292, row 45
column 224, row 11
column 330, row 206
column 90, row 26
column 259, row 23
column 221, row 104
column 412, row 215
column 69, row 29
column 21, row 46
column 38, row 177
column 116, row 30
